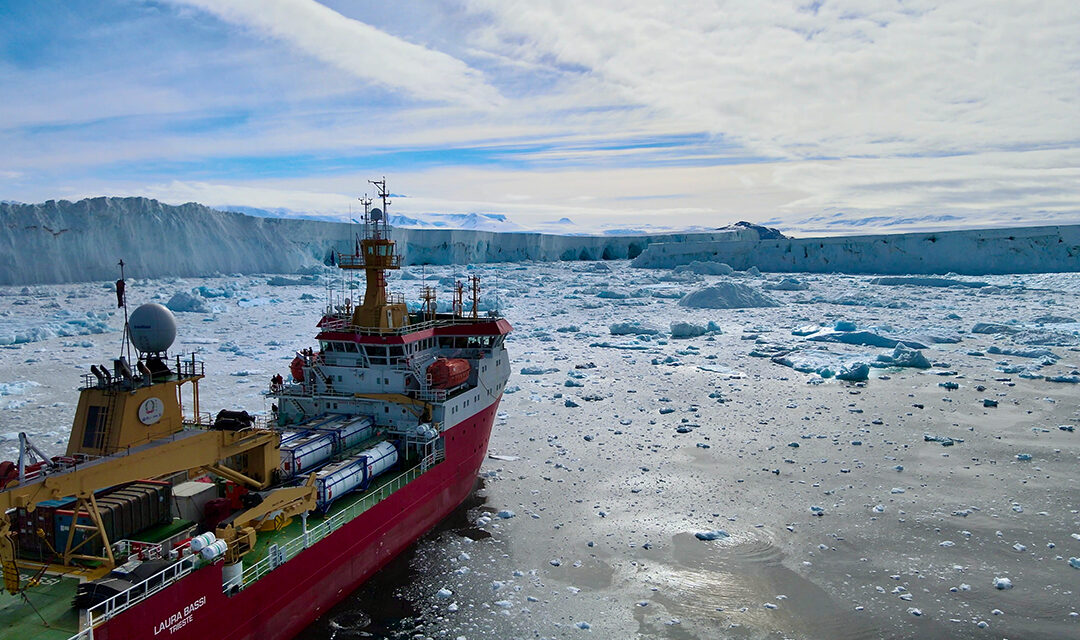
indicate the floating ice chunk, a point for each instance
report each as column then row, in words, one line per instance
column 925, row 281
column 537, row 371
column 705, row 268
column 787, row 284
column 506, row 514
column 687, row 330
column 844, row 325
column 16, row 388
column 715, row 534
column 1066, row 379
column 915, row 611
column 823, row 363
column 1003, row 583
column 944, row 440
column 726, row 295
column 280, row 281
column 183, row 302
column 866, row 338
column 1052, row 319
column 991, row 327
column 855, row 372
column 584, row 626
column 904, row 356
column 613, row 295
column 1023, row 457
column 1074, row 563
column 632, row 328
column 1046, row 355
column 444, row 593
column 211, row 292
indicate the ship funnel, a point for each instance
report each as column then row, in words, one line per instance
column 120, row 366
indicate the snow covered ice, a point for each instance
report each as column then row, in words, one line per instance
column 690, row 412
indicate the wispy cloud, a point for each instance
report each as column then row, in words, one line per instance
column 357, row 48
column 846, row 78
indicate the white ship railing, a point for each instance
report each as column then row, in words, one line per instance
column 343, row 323
column 99, row 613
column 291, row 548
column 143, row 550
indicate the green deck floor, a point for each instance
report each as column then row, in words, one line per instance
column 54, row 619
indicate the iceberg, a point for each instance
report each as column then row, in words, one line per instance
column 726, row 295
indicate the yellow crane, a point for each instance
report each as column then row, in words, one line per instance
column 254, row 454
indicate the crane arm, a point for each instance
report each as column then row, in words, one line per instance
column 148, row 461
column 187, row 450
column 288, row 501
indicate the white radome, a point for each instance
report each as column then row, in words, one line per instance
column 153, row 328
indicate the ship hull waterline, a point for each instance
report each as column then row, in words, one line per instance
column 285, row 601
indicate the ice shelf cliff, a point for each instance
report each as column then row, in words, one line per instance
column 62, row 241
column 969, row 252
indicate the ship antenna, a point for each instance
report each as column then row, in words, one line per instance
column 121, row 302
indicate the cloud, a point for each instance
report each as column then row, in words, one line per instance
column 845, row 78
column 357, row 48
column 838, row 115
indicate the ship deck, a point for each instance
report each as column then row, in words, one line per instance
column 49, row 615
column 46, row 612
column 288, row 538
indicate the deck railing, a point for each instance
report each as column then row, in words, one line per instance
column 291, row 548
column 144, row 550
column 343, row 323
column 102, row 611
column 124, row 600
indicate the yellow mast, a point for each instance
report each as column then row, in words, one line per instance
column 375, row 254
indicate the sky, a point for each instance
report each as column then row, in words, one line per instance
column 817, row 117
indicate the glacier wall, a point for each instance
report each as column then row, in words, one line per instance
column 971, row 252
column 61, row 241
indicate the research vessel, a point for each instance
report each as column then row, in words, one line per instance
column 162, row 521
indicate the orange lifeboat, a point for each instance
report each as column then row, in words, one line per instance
column 446, row 373
column 296, row 367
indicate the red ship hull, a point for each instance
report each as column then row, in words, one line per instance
column 289, row 598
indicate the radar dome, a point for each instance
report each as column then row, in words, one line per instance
column 375, row 214
column 153, row 328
